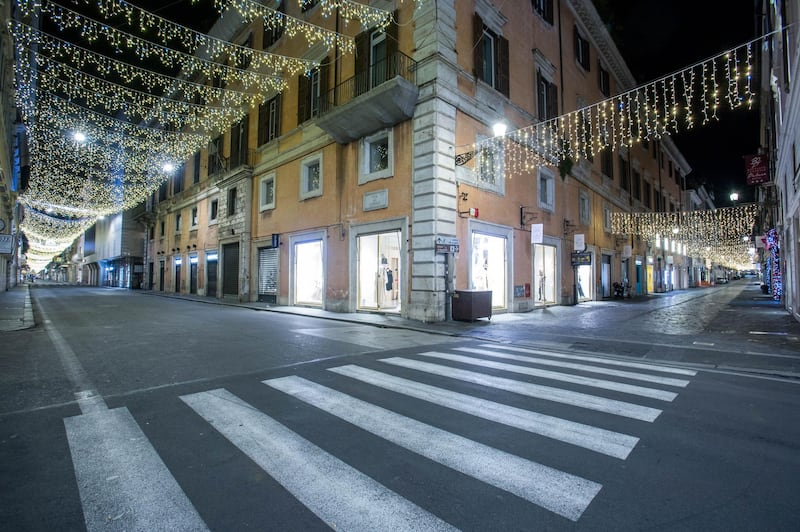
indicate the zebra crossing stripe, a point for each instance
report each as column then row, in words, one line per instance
column 606, row 361
column 656, row 379
column 596, row 439
column 340, row 495
column 123, row 483
column 558, row 395
column 560, row 492
column 554, row 375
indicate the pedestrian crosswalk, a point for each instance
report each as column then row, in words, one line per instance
column 577, row 403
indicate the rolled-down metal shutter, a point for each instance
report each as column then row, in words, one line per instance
column 230, row 269
column 268, row 275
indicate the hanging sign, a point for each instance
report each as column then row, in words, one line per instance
column 581, row 258
column 537, row 233
column 579, row 242
column 756, row 169
column 627, row 251
column 6, row 244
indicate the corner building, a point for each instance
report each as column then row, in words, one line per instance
column 364, row 187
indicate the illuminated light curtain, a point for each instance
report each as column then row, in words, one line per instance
column 676, row 102
column 717, row 234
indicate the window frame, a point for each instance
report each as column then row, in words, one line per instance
column 603, row 80
column 365, row 147
column 213, row 211
column 178, row 221
column 549, row 179
column 584, row 208
column 305, row 165
column 232, row 197
column 544, row 8
column 583, row 54
column 194, row 218
column 264, row 205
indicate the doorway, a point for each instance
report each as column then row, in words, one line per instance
column 379, row 272
column 489, row 267
column 308, row 273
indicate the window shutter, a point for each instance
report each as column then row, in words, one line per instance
column 501, row 77
column 303, row 99
column 478, row 49
column 324, row 84
column 278, row 113
column 362, row 63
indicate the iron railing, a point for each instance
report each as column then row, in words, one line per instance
column 397, row 64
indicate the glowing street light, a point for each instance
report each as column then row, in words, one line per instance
column 499, row 129
column 734, row 198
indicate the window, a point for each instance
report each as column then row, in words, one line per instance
column 606, row 218
column 213, row 211
column 544, row 8
column 491, row 57
column 177, row 222
column 581, row 49
column 196, row 169
column 194, row 217
column 646, row 194
column 637, row 184
column 311, row 177
column 177, row 181
column 215, row 161
column 378, row 60
column 269, row 120
column 266, row 193
column 377, row 159
column 624, row 174
column 239, row 149
column 162, row 228
column 272, row 34
column 311, row 89
column 546, row 97
column 603, row 80
column 305, row 5
column 245, row 59
column 162, row 191
column 489, row 165
column 547, row 190
column 231, row 201
column 584, row 207
column 607, row 162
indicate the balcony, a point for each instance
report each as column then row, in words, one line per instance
column 383, row 95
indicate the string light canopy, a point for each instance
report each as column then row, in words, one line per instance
column 679, row 101
column 721, row 235
column 115, row 97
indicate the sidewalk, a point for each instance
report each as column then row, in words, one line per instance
column 16, row 311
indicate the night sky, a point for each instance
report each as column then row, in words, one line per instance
column 657, row 38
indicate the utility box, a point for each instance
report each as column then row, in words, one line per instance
column 469, row 305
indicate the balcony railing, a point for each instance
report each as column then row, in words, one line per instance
column 397, row 64
column 381, row 96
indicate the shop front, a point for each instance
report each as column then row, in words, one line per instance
column 489, row 267
column 545, row 268
column 308, row 269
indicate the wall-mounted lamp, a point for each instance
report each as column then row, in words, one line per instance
column 526, row 215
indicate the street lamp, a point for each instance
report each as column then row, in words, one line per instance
column 734, row 198
column 499, row 129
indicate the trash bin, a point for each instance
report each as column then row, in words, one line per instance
column 469, row 305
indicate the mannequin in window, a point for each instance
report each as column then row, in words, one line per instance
column 541, row 285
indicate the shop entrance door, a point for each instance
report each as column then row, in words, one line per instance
column 379, row 272
column 308, row 273
column 544, row 269
column 489, row 266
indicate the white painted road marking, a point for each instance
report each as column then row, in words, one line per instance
column 343, row 497
column 558, row 395
column 554, row 375
column 123, row 483
column 607, row 361
column 593, row 438
column 560, row 492
column 656, row 379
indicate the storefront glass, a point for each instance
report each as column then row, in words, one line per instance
column 379, row 272
column 308, row 273
column 544, row 268
column 584, row 282
column 488, row 268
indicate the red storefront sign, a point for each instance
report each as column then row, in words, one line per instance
column 757, row 169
